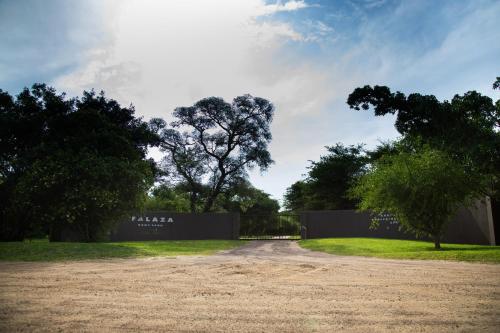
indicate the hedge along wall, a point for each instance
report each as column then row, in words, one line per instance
column 161, row 225
column 473, row 225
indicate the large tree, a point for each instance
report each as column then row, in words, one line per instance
column 453, row 143
column 69, row 165
column 328, row 180
column 211, row 145
column 245, row 199
column 297, row 197
column 467, row 127
column 422, row 189
column 331, row 176
column 259, row 212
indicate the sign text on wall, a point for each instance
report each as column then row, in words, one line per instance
column 151, row 221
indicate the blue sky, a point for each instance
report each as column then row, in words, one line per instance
column 304, row 56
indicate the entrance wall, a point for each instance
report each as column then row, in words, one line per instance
column 472, row 225
column 160, row 225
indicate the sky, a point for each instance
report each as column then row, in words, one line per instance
column 303, row 56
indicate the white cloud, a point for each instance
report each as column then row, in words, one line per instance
column 169, row 54
column 282, row 7
column 164, row 54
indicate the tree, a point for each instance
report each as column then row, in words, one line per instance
column 328, row 180
column 467, row 127
column 245, row 199
column 168, row 198
column 257, row 209
column 70, row 165
column 297, row 196
column 496, row 84
column 330, row 177
column 261, row 216
column 422, row 189
column 220, row 142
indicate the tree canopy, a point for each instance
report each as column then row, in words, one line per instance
column 328, row 180
column 422, row 189
column 449, row 153
column 168, row 198
column 69, row 165
column 211, row 145
column 467, row 127
column 245, row 199
column 496, row 84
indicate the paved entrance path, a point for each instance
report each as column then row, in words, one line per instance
column 265, row 286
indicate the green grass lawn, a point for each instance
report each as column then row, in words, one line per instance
column 403, row 249
column 42, row 250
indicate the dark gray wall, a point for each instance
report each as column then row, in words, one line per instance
column 466, row 228
column 347, row 223
column 177, row 226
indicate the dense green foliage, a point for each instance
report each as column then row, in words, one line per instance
column 220, row 142
column 245, row 199
column 241, row 198
column 42, row 250
column 403, row 249
column 422, row 189
column 69, row 165
column 467, row 127
column 269, row 225
column 449, row 154
column 328, row 180
column 166, row 198
column 297, row 197
column 257, row 209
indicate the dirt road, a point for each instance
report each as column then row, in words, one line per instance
column 270, row 286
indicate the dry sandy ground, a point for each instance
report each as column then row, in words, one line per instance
column 261, row 287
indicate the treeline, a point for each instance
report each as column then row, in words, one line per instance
column 74, row 164
column 77, row 166
column 448, row 155
column 329, row 179
column 241, row 198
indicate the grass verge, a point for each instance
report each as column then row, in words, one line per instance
column 403, row 249
column 43, row 250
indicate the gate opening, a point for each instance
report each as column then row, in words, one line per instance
column 269, row 227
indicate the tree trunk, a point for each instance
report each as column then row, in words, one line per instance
column 192, row 202
column 437, row 242
column 211, row 199
column 208, row 204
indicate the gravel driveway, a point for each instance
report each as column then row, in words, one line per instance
column 264, row 286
